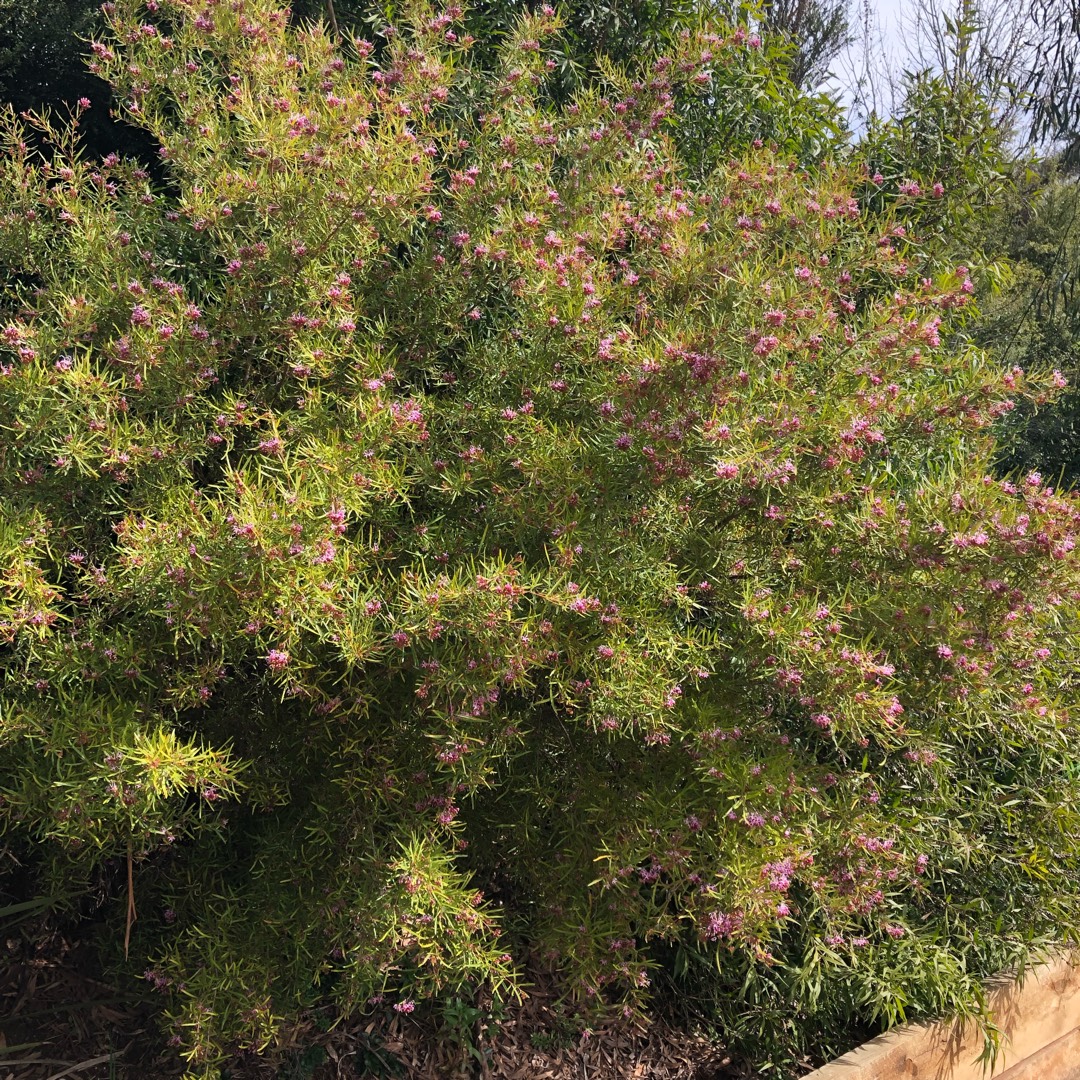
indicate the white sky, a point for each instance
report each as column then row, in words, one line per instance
column 883, row 45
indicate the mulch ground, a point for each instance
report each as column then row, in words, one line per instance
column 58, row 1020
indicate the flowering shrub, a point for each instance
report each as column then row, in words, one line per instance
column 434, row 536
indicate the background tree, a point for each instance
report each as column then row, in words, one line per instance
column 1035, row 321
column 820, row 30
column 41, row 50
column 962, row 117
column 1052, row 78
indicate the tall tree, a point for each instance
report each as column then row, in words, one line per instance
column 820, row 29
column 1052, row 80
column 1024, row 59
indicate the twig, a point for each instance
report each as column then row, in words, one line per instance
column 86, row 1064
column 333, row 18
column 131, row 915
column 33, row 1061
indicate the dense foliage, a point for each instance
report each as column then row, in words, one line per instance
column 441, row 527
column 1050, row 84
column 944, row 139
column 39, row 48
column 1036, row 319
column 44, row 46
